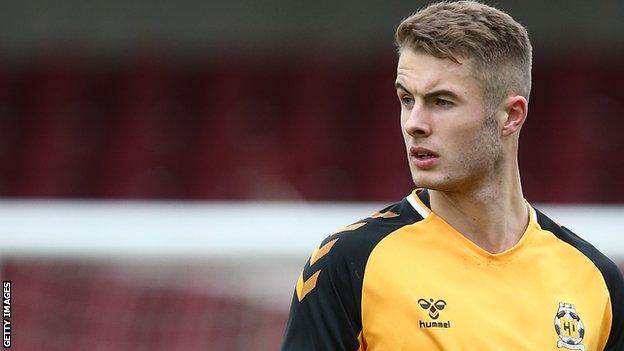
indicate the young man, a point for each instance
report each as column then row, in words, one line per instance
column 463, row 262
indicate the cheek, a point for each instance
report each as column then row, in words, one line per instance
column 481, row 145
column 463, row 136
column 465, row 143
column 403, row 120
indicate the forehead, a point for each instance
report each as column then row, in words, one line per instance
column 422, row 72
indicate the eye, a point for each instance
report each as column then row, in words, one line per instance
column 443, row 103
column 406, row 100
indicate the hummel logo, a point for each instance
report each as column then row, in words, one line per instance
column 434, row 309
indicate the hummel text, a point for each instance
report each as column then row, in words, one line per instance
column 446, row 324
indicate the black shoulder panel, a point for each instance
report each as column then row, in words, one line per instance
column 610, row 272
column 326, row 308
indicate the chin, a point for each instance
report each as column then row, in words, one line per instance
column 425, row 181
column 433, row 182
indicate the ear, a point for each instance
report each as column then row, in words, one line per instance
column 516, row 108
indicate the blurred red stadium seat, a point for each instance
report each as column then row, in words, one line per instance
column 304, row 126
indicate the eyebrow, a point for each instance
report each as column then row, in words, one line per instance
column 433, row 94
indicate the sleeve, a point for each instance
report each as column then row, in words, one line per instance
column 615, row 283
column 325, row 311
column 610, row 272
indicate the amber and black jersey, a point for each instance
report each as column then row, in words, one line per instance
column 404, row 279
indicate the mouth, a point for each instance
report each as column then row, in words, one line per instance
column 422, row 157
column 422, row 153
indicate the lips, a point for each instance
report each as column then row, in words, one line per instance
column 422, row 153
column 422, row 157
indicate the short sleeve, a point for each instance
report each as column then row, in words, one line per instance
column 324, row 314
column 326, row 307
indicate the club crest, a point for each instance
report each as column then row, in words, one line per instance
column 569, row 327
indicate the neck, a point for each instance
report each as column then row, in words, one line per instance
column 493, row 215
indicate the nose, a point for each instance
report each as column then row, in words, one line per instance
column 417, row 123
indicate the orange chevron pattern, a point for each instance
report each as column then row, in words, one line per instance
column 387, row 214
column 351, row 227
column 305, row 286
column 322, row 251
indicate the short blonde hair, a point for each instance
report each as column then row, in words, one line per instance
column 497, row 45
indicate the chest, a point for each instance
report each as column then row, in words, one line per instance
column 432, row 302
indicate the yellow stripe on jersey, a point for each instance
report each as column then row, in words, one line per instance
column 321, row 251
column 351, row 227
column 387, row 214
column 305, row 286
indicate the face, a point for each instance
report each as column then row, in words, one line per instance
column 452, row 139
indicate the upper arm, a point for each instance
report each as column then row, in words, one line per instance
column 326, row 307
column 325, row 313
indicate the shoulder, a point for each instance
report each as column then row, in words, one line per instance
column 610, row 272
column 325, row 313
column 339, row 260
column 329, row 288
column 355, row 241
column 608, row 268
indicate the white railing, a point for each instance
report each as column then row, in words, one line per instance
column 261, row 246
column 222, row 229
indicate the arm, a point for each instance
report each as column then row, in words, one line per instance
column 326, row 308
column 325, row 312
